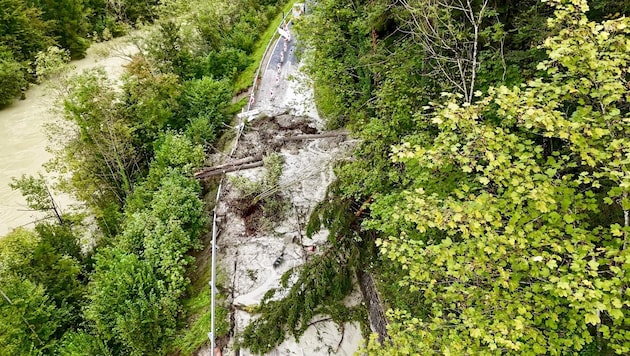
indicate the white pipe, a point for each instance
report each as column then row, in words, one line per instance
column 214, row 261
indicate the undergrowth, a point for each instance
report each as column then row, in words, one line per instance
column 261, row 202
column 195, row 334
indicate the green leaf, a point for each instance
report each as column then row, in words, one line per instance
column 569, row 218
column 592, row 319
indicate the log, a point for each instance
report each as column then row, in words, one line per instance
column 239, row 162
column 236, row 162
column 218, row 172
column 376, row 315
column 313, row 136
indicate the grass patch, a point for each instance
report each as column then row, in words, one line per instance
column 246, row 77
column 236, row 107
column 195, row 334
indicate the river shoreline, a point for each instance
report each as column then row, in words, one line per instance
column 23, row 139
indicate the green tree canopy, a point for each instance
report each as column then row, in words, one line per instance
column 68, row 23
column 12, row 81
column 129, row 307
column 40, row 289
column 22, row 29
column 513, row 235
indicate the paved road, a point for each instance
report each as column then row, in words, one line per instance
column 282, row 63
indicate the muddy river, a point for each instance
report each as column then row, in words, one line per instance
column 23, row 139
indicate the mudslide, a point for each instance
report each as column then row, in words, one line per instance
column 254, row 258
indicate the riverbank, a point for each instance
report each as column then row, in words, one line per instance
column 23, row 138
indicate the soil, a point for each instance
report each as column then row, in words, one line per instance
column 252, row 216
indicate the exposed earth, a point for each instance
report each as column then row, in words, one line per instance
column 254, row 251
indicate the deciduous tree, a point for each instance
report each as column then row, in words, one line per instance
column 513, row 235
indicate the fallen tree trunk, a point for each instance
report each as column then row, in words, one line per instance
column 378, row 322
column 213, row 171
column 230, row 164
column 313, row 136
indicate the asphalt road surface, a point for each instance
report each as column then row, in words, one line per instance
column 273, row 83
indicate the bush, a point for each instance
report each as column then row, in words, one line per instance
column 12, row 80
column 51, row 62
column 204, row 103
column 129, row 306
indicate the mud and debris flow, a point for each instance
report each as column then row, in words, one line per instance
column 254, row 250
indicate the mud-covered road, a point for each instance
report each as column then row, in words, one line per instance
column 249, row 247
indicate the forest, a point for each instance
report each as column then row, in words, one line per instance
column 488, row 197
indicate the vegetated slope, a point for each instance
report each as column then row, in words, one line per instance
column 494, row 217
column 129, row 155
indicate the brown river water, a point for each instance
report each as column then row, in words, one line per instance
column 23, row 139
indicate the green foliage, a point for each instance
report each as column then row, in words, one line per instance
column 29, row 318
column 129, row 152
column 176, row 152
column 175, row 156
column 342, row 83
column 16, row 249
column 144, row 274
column 265, row 192
column 320, row 285
column 213, row 39
column 273, row 170
column 132, row 11
column 51, row 62
column 198, row 316
column 22, row 30
column 150, row 99
column 29, row 29
column 99, row 152
column 80, row 343
column 511, row 259
column 162, row 234
column 226, row 63
column 321, row 282
column 61, row 238
column 204, row 103
column 12, row 81
column 168, row 50
column 49, row 257
column 128, row 305
column 68, row 23
column 34, row 191
column 38, row 196
column 41, row 289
